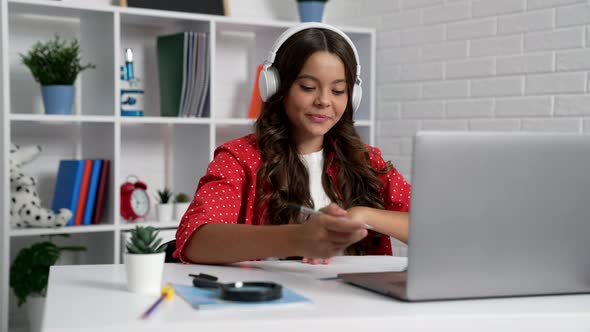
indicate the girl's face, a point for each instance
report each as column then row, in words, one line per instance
column 316, row 100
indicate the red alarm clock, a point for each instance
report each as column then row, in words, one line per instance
column 135, row 202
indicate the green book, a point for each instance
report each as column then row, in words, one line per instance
column 170, row 67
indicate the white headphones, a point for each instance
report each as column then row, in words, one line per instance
column 269, row 80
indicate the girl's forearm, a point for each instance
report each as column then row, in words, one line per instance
column 230, row 243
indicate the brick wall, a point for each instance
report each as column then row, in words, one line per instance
column 499, row 65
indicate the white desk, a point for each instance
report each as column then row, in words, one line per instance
column 94, row 298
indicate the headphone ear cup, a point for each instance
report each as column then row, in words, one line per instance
column 268, row 83
column 357, row 95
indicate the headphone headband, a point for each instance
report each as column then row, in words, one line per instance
column 270, row 58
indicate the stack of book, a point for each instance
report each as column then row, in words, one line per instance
column 183, row 67
column 82, row 187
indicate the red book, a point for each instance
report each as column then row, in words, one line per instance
column 255, row 101
column 83, row 191
column 103, row 185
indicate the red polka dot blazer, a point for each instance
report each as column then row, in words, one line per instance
column 226, row 194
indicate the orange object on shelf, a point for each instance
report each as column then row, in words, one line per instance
column 255, row 101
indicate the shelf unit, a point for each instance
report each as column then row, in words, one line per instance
column 171, row 152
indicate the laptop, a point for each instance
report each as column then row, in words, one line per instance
column 494, row 215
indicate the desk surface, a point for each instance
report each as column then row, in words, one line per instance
column 94, row 298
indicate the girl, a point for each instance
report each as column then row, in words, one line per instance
column 305, row 151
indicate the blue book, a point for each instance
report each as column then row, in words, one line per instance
column 92, row 189
column 203, row 298
column 67, row 187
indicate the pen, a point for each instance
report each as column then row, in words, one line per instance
column 308, row 211
column 167, row 293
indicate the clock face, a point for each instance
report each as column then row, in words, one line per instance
column 140, row 202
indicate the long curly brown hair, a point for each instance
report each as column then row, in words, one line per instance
column 282, row 177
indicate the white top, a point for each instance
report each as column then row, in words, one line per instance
column 314, row 162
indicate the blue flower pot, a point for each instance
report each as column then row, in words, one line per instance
column 58, row 99
column 311, row 11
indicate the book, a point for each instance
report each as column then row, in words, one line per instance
column 101, row 192
column 67, row 187
column 204, row 298
column 255, row 100
column 170, row 53
column 91, row 196
column 83, row 192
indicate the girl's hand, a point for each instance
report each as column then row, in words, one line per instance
column 328, row 234
column 315, row 261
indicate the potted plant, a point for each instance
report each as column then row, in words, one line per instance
column 181, row 204
column 164, row 208
column 144, row 260
column 55, row 64
column 311, row 10
column 29, row 274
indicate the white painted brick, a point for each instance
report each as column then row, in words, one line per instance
column 535, row 4
column 334, row 12
column 393, row 146
column 570, row 125
column 523, row 107
column 564, row 38
column 587, row 36
column 496, row 7
column 573, row 15
column 555, row 83
column 473, row 108
column 586, row 126
column 388, row 110
column 572, row 105
column 419, row 3
column 573, row 60
column 530, row 21
column 376, row 7
column 471, row 29
column 504, row 86
column 494, row 124
column 445, row 89
column 407, row 145
column 423, row 110
column 496, row 46
column 422, row 35
column 397, row 128
column 447, row 13
column 421, row 72
column 445, row 125
column 470, row 68
column 445, row 51
column 399, row 91
column 523, row 64
column 399, row 55
column 401, row 20
column 387, row 74
column 388, row 39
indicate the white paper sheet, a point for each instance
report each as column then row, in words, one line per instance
column 338, row 264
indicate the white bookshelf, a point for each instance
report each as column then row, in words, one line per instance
column 171, row 152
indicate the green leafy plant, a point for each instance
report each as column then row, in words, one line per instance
column 164, row 196
column 55, row 62
column 182, row 198
column 29, row 272
column 145, row 240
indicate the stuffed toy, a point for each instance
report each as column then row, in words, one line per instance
column 25, row 204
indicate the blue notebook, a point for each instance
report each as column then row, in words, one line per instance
column 92, row 189
column 67, row 187
column 200, row 298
